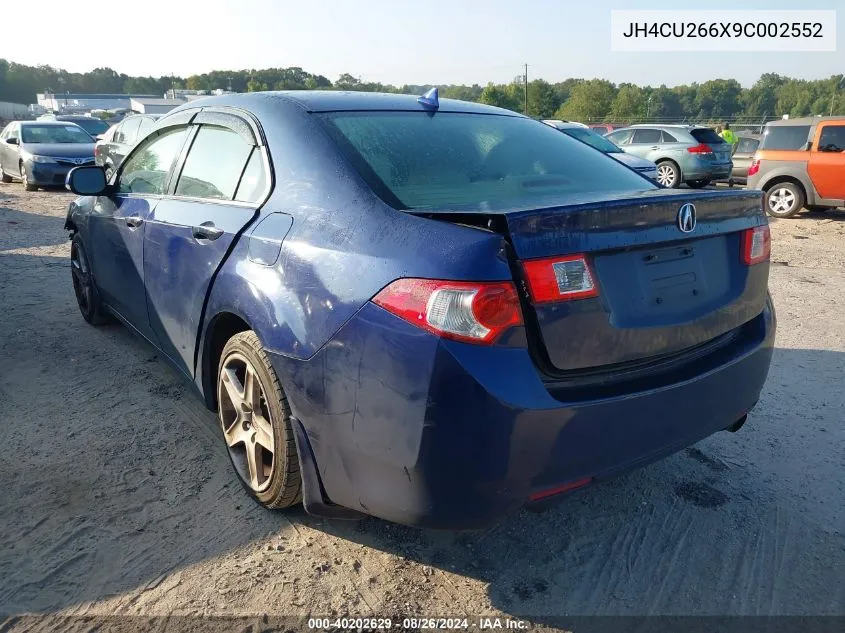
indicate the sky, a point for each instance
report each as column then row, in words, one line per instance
column 389, row 41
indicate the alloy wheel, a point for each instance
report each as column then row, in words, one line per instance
column 246, row 421
column 665, row 175
column 781, row 200
column 82, row 287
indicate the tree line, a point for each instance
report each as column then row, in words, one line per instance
column 771, row 96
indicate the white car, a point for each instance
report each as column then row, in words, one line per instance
column 586, row 135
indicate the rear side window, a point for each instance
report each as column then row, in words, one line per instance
column 254, row 181
column 832, row 138
column 214, row 164
column 785, row 137
column 146, row 169
column 647, row 136
column 706, row 135
column 668, row 138
column 621, row 137
column 415, row 160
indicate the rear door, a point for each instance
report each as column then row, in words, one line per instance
column 645, row 142
column 827, row 160
column 223, row 179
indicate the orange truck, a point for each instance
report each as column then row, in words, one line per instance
column 800, row 164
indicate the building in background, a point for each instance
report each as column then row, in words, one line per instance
column 69, row 103
column 190, row 95
column 154, row 106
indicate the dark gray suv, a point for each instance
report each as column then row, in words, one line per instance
column 691, row 154
column 116, row 143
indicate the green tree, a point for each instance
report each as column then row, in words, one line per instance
column 256, row 86
column 543, row 99
column 501, row 96
column 629, row 104
column 718, row 99
column 589, row 101
column 761, row 99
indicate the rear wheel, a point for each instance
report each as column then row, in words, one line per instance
column 255, row 419
column 87, row 297
column 784, row 200
column 698, row 184
column 668, row 174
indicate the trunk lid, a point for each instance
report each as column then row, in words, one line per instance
column 660, row 290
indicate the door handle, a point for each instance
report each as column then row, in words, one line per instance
column 133, row 221
column 655, row 147
column 207, row 231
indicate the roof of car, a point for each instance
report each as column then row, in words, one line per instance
column 51, row 122
column 805, row 120
column 343, row 101
column 685, row 126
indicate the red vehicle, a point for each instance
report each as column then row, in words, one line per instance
column 605, row 128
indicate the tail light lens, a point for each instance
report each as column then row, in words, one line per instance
column 754, row 167
column 756, row 245
column 559, row 279
column 701, row 148
column 464, row 311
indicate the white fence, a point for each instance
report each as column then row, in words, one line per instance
column 9, row 111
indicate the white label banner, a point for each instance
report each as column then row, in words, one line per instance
column 723, row 30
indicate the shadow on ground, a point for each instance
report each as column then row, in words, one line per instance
column 114, row 475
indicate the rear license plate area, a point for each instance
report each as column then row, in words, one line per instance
column 669, row 276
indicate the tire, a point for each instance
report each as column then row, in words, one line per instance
column 87, row 297
column 700, row 184
column 668, row 174
column 28, row 186
column 243, row 431
column 784, row 200
column 4, row 177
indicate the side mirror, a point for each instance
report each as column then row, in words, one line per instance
column 12, row 141
column 86, row 181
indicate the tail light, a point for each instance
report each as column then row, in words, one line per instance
column 754, row 167
column 756, row 245
column 464, row 311
column 559, row 279
column 701, row 148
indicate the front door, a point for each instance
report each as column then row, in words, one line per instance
column 118, row 224
column 827, row 161
column 190, row 233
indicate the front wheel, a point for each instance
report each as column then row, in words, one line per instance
column 668, row 174
column 255, row 419
column 87, row 297
column 28, row 186
column 4, row 177
column 784, row 200
column 699, row 184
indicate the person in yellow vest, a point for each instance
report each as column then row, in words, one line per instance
column 728, row 135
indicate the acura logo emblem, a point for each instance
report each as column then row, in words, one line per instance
column 686, row 218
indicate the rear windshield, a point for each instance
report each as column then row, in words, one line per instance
column 591, row 138
column 706, row 135
column 416, row 160
column 785, row 137
column 92, row 126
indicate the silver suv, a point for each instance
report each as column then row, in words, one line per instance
column 691, row 154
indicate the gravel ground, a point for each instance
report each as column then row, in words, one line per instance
column 117, row 495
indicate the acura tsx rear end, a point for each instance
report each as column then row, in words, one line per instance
column 441, row 312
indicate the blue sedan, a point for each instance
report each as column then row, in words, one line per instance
column 430, row 311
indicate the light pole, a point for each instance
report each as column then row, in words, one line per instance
column 648, row 106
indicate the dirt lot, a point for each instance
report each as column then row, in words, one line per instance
column 117, row 496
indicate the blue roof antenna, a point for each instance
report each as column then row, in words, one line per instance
column 429, row 100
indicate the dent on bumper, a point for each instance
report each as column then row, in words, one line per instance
column 439, row 434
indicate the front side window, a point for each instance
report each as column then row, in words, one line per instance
column 146, row 169
column 415, row 160
column 214, row 165
column 621, row 137
column 785, row 137
column 832, row 139
column 646, row 137
column 63, row 134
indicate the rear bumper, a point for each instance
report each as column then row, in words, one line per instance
column 438, row 434
column 704, row 170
